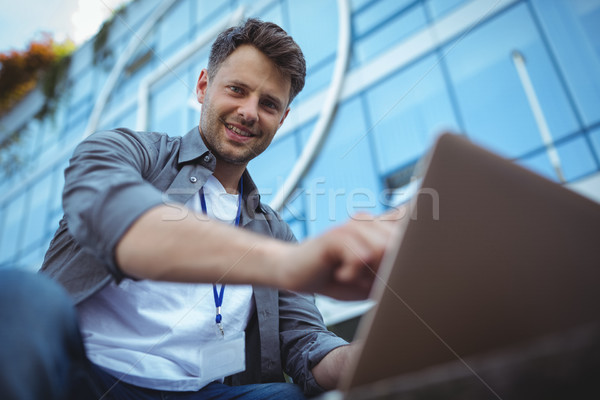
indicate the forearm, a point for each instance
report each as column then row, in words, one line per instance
column 195, row 249
column 328, row 371
column 191, row 248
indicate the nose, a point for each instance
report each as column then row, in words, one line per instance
column 248, row 110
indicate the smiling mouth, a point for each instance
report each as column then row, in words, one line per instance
column 238, row 131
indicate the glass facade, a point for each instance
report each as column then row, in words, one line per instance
column 416, row 68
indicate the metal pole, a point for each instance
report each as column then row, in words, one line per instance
column 538, row 114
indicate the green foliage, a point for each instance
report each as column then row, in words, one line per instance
column 10, row 159
column 44, row 63
column 101, row 51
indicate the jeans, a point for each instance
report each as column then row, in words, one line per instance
column 41, row 351
column 42, row 354
column 213, row 391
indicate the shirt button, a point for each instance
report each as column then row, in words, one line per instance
column 193, row 179
column 206, row 158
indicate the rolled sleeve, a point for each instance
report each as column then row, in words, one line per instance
column 304, row 339
column 106, row 190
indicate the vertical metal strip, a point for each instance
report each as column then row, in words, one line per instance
column 538, row 114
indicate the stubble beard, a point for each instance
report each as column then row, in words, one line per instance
column 210, row 124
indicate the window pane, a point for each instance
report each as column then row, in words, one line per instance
column 82, row 88
column 573, row 31
column 168, row 108
column 407, row 111
column 208, row 11
column 356, row 4
column 130, row 81
column 491, row 97
column 14, row 213
column 75, row 131
column 314, row 26
column 35, row 227
column 317, row 78
column 174, row 29
column 390, row 34
column 595, row 139
column 270, row 169
column 438, row 8
column 32, row 259
column 127, row 119
column 197, row 63
column 273, row 12
column 58, row 185
column 378, row 11
column 342, row 181
column 575, row 157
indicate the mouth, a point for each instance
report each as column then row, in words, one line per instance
column 238, row 131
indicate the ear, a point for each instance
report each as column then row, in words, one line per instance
column 202, row 85
column 285, row 114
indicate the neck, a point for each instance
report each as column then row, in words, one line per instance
column 229, row 175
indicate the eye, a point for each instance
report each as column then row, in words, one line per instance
column 235, row 89
column 269, row 104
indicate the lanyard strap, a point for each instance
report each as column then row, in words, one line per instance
column 239, row 210
column 218, row 301
column 219, row 296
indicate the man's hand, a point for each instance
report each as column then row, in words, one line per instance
column 343, row 262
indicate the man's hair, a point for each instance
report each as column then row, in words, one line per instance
column 271, row 40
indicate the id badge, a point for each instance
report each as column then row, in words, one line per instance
column 223, row 357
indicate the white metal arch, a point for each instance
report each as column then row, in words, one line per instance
column 321, row 130
column 117, row 70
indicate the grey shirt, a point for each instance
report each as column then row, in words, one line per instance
column 113, row 178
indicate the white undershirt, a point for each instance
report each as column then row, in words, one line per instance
column 150, row 333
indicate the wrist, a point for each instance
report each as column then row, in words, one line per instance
column 328, row 371
column 273, row 257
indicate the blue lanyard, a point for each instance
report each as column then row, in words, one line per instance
column 239, row 210
column 219, row 296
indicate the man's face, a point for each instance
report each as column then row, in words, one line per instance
column 243, row 105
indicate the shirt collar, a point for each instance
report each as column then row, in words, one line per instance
column 193, row 147
column 250, row 194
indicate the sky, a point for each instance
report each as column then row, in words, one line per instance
column 24, row 20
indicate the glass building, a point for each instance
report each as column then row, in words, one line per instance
column 520, row 77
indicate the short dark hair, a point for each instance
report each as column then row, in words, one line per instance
column 271, row 40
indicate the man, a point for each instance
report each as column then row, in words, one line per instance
column 139, row 256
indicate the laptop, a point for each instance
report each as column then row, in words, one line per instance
column 491, row 256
